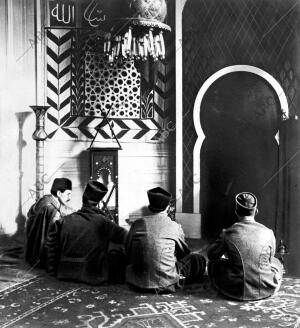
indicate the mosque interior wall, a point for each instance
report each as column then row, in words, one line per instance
column 57, row 67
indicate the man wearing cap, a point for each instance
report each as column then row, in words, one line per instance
column 78, row 244
column 241, row 261
column 40, row 215
column 159, row 258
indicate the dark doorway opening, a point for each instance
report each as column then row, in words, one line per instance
column 240, row 116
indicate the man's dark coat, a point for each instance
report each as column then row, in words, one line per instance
column 44, row 211
column 78, row 244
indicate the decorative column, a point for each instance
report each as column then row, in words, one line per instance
column 39, row 136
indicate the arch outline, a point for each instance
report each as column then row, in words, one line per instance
column 196, row 116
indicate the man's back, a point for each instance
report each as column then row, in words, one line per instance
column 154, row 245
column 242, row 263
column 87, row 228
column 251, row 246
column 83, row 238
column 250, row 241
column 249, row 272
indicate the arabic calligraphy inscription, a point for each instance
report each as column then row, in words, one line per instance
column 62, row 13
column 93, row 15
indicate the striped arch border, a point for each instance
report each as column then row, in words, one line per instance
column 196, row 115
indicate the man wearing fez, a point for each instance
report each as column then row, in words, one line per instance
column 40, row 215
column 159, row 258
column 78, row 244
column 241, row 261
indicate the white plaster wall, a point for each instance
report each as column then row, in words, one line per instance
column 141, row 166
column 14, row 100
column 17, row 92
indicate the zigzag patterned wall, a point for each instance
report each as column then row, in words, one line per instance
column 58, row 80
column 164, row 88
column 65, row 95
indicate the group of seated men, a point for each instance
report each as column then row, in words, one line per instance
column 88, row 247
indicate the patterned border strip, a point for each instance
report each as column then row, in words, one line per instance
column 31, row 311
column 18, row 285
column 84, row 129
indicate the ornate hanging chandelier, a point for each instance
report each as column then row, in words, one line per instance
column 138, row 33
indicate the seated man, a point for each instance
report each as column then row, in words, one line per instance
column 241, row 261
column 40, row 215
column 159, row 259
column 78, row 243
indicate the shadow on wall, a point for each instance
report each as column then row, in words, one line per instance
column 12, row 245
column 84, row 168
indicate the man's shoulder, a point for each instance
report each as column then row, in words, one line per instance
column 68, row 216
column 45, row 201
column 44, row 204
column 162, row 223
column 157, row 219
column 264, row 230
column 72, row 220
column 243, row 227
column 96, row 218
column 73, row 216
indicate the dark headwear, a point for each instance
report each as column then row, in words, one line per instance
column 61, row 184
column 245, row 204
column 159, row 199
column 94, row 192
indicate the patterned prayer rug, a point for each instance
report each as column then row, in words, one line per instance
column 45, row 302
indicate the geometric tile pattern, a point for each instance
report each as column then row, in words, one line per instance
column 287, row 78
column 116, row 88
column 66, row 93
column 217, row 34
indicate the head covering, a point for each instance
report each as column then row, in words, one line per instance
column 245, row 204
column 159, row 199
column 61, row 184
column 94, row 192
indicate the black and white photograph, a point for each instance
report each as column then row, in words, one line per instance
column 150, row 163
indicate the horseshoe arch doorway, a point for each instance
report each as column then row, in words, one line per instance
column 237, row 117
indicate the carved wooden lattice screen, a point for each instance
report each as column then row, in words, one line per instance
column 80, row 84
